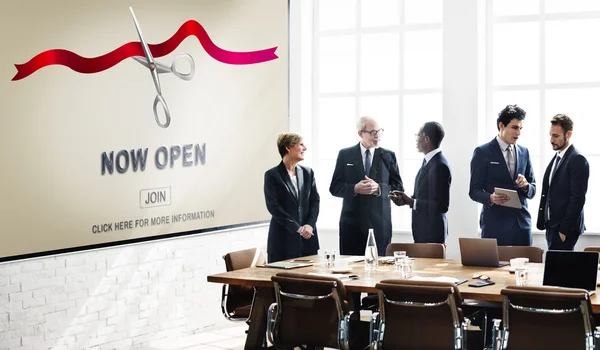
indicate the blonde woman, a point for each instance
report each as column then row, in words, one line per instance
column 293, row 201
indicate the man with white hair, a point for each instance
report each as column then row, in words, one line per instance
column 364, row 175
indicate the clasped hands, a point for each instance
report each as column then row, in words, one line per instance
column 366, row 186
column 400, row 198
column 306, row 231
column 500, row 199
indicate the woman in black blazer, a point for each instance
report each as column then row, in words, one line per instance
column 293, row 201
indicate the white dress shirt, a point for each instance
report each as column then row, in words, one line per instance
column 428, row 157
column 503, row 147
column 560, row 154
column 363, row 154
column 363, row 151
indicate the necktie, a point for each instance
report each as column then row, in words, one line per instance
column 556, row 163
column 416, row 191
column 511, row 161
column 367, row 162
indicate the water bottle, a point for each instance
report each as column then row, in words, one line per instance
column 371, row 256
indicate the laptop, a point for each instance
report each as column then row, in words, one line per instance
column 480, row 252
column 571, row 269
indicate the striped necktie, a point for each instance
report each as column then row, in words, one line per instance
column 511, row 161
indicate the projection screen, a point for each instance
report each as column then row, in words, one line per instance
column 86, row 162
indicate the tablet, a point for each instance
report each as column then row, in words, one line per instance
column 513, row 196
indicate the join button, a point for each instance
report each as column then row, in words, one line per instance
column 155, row 197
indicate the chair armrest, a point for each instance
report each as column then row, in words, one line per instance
column 496, row 334
column 344, row 331
column 271, row 322
column 376, row 331
column 463, row 331
column 224, row 294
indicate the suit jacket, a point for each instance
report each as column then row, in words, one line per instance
column 489, row 170
column 290, row 211
column 566, row 194
column 361, row 212
column 432, row 194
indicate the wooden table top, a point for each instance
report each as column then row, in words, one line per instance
column 261, row 276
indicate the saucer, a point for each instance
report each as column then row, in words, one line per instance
column 340, row 269
column 511, row 269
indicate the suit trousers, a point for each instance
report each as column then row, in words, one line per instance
column 517, row 236
column 282, row 255
column 353, row 240
column 554, row 241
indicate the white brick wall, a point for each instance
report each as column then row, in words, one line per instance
column 117, row 298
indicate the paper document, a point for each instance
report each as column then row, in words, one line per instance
column 286, row 265
column 353, row 259
column 336, row 275
column 447, row 279
column 513, row 196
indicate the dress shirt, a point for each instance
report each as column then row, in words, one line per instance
column 560, row 154
column 503, row 147
column 428, row 157
column 363, row 151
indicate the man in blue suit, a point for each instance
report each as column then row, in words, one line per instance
column 563, row 189
column 504, row 164
column 431, row 197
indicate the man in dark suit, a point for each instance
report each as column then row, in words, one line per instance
column 363, row 176
column 431, row 197
column 504, row 164
column 564, row 188
column 293, row 201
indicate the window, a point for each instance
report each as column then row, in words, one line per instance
column 542, row 56
column 381, row 58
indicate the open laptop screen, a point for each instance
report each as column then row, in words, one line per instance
column 571, row 269
column 479, row 252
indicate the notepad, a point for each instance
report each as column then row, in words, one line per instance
column 286, row 265
column 448, row 279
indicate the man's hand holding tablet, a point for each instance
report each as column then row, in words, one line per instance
column 507, row 198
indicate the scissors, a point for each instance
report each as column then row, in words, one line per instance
column 157, row 68
column 162, row 68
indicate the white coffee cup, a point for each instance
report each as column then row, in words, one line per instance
column 341, row 264
column 518, row 262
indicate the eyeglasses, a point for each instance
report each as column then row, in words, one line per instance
column 418, row 136
column 481, row 277
column 373, row 132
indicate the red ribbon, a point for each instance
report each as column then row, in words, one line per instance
column 100, row 63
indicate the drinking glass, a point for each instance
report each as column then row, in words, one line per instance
column 330, row 257
column 406, row 268
column 398, row 257
column 521, row 275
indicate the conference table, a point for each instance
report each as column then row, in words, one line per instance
column 260, row 278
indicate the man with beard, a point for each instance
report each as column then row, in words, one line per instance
column 564, row 188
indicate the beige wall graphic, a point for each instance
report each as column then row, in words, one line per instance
column 84, row 161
